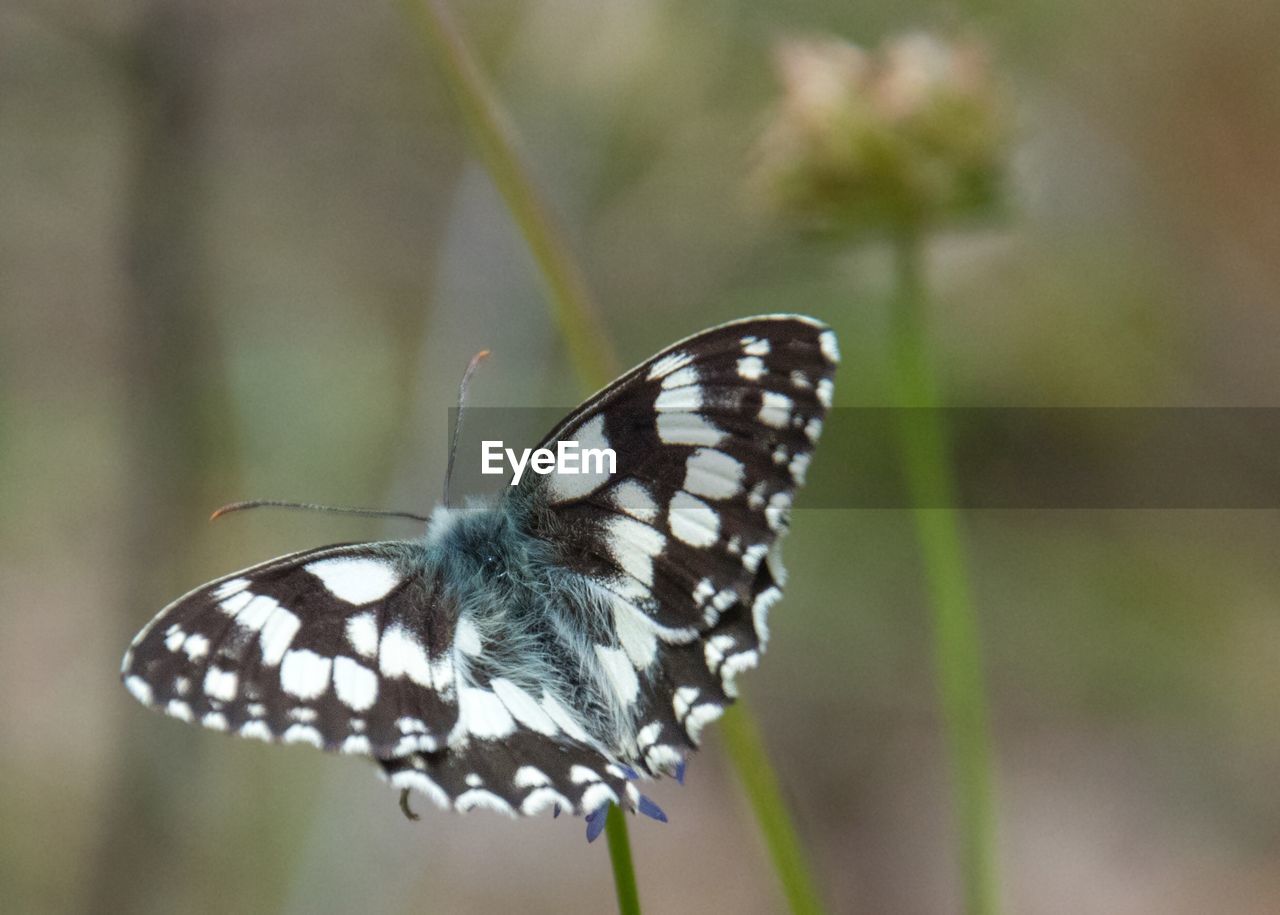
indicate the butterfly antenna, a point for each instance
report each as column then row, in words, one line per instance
column 312, row 507
column 457, row 426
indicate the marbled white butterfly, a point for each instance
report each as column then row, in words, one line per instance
column 549, row 648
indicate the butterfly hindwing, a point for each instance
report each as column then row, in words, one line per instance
column 343, row 647
column 712, row 437
column 524, row 773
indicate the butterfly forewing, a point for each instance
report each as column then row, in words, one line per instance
column 344, row 647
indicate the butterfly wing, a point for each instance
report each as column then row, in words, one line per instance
column 344, row 647
column 524, row 772
column 712, row 437
column 356, row 647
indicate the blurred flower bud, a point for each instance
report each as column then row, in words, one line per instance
column 911, row 134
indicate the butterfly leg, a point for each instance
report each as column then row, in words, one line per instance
column 404, row 805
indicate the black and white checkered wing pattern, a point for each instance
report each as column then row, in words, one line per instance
column 712, row 436
column 549, row 650
column 345, row 648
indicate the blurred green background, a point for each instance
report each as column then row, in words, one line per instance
column 244, row 251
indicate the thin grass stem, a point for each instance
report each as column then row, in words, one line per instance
column 624, row 871
column 576, row 316
column 746, row 748
column 957, row 648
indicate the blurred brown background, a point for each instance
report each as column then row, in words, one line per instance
column 244, row 252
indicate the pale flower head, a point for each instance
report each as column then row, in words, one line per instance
column 911, row 133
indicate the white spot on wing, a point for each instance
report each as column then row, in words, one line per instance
column 830, row 349
column 760, row 612
column 634, row 545
column 634, row 499
column 256, row 613
column 799, row 466
column 563, row 717
column 362, row 633
column 681, row 701
column 688, row 429
column 277, row 635
column 256, row 729
column 668, row 364
column 566, row 486
column 778, row 510
column 699, row 717
column 753, row 555
column 634, row 631
column 523, row 706
column 442, row 674
column 648, row 734
column 662, row 758
column 775, row 409
column 140, row 689
column 755, row 346
column 687, row 398
column 482, row 714
column 597, row 796
column 401, row 654
column 196, row 646
column 422, row 783
column 621, row 673
column 715, row 649
column 357, row 580
column 736, row 664
column 220, row 684
column 303, row 733
column 824, row 391
column 751, row 368
column 357, row 745
column 693, row 521
column 530, row 777
column 540, row 799
column 228, row 588
column 466, row 638
column 174, row 638
column 713, row 474
column 355, row 684
column 304, row 673
column 235, row 603
column 683, row 378
column 479, row 797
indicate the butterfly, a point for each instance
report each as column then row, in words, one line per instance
column 553, row 646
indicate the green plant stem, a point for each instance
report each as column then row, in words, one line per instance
column 595, row 364
column 624, row 872
column 957, row 650
column 746, row 749
column 575, row 314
